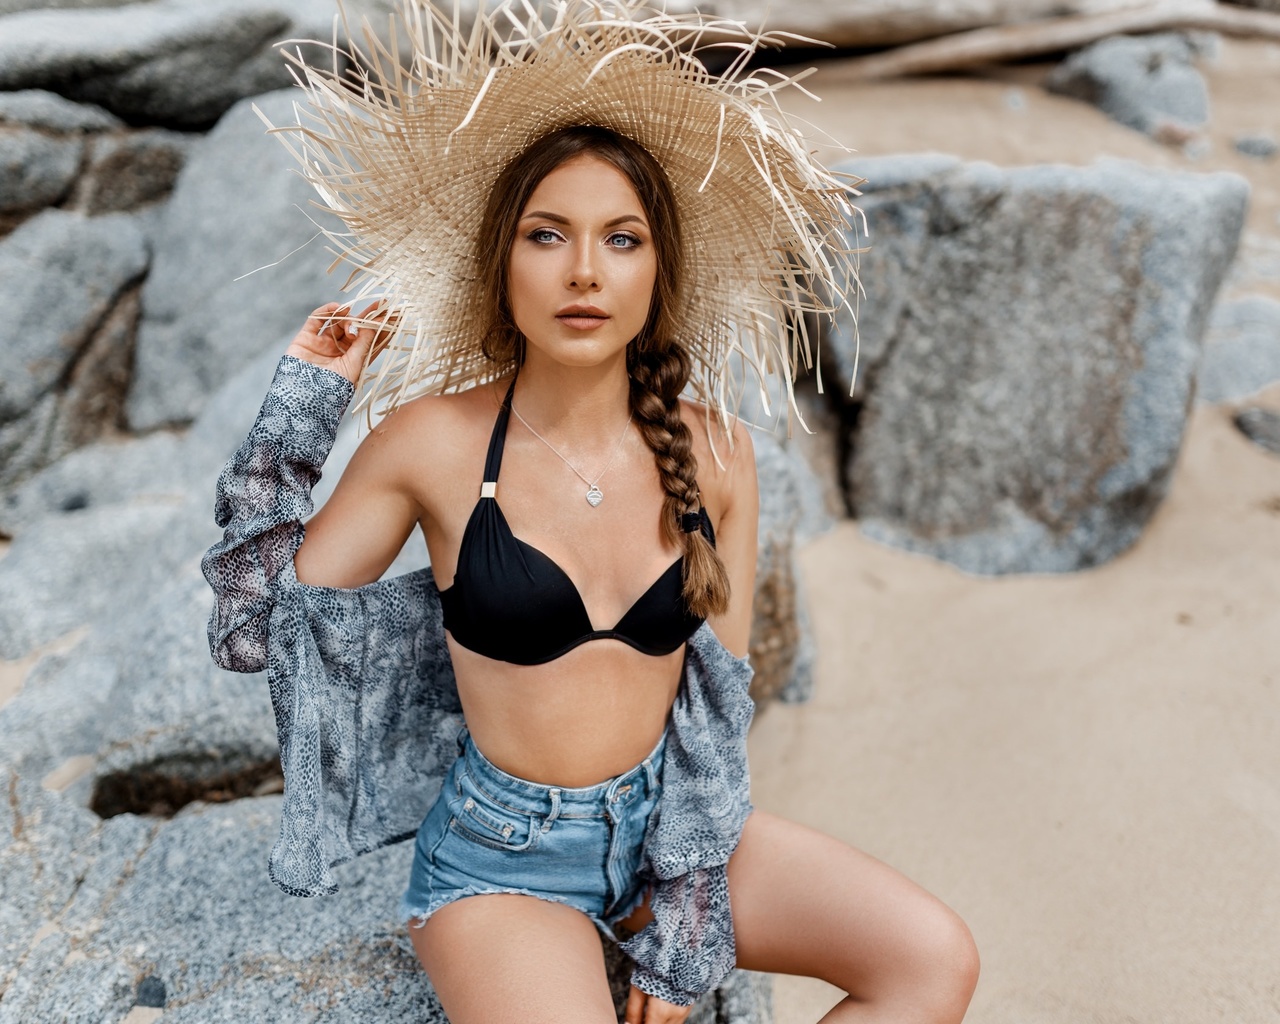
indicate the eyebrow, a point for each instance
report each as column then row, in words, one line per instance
column 557, row 218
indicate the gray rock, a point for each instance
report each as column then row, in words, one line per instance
column 26, row 442
column 1262, row 5
column 194, row 912
column 35, row 170
column 38, row 108
column 103, row 473
column 47, row 849
column 1026, row 392
column 792, row 511
column 168, row 62
column 13, row 6
column 128, row 170
column 174, row 63
column 65, row 271
column 232, row 212
column 1242, row 350
column 1261, row 426
column 1264, row 147
column 1146, row 82
column 68, row 571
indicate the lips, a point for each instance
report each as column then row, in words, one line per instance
column 582, row 317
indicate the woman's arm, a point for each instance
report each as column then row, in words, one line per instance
column 264, row 491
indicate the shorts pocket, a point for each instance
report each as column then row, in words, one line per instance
column 480, row 818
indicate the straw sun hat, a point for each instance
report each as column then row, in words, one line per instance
column 405, row 149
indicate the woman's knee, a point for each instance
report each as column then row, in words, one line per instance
column 944, row 965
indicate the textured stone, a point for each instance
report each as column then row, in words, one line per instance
column 1264, row 147
column 1242, row 350
column 1261, row 426
column 65, row 572
column 39, row 108
column 35, row 169
column 1026, row 399
column 81, row 266
column 1146, row 82
column 173, row 63
column 232, row 212
column 128, row 170
column 792, row 511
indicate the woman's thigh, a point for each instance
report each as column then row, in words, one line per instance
column 503, row 957
column 806, row 903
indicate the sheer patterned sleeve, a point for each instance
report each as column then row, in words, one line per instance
column 263, row 494
column 688, row 948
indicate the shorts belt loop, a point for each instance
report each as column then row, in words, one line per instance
column 651, row 775
column 461, row 738
column 555, row 809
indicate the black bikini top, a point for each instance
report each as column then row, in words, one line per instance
column 511, row 602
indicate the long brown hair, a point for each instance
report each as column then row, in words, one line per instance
column 657, row 365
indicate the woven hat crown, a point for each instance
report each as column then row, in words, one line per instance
column 404, row 144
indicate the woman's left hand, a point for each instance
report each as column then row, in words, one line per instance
column 643, row 1008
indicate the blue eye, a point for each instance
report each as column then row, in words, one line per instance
column 629, row 241
column 543, row 235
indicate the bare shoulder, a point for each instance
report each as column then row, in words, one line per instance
column 726, row 458
column 433, row 440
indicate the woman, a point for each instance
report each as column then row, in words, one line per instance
column 609, row 548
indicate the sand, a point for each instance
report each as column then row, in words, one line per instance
column 1086, row 766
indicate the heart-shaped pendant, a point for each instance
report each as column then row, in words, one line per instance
column 595, row 496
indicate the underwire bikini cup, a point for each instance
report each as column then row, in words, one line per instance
column 511, row 602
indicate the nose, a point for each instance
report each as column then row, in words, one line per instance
column 584, row 273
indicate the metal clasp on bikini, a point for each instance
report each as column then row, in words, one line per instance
column 489, row 489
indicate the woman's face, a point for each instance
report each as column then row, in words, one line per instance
column 582, row 266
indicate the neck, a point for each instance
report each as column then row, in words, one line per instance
column 575, row 403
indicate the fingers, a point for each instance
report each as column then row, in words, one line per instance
column 635, row 1006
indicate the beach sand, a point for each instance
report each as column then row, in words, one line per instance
column 1086, row 766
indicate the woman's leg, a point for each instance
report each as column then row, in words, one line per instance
column 505, row 957
column 806, row 903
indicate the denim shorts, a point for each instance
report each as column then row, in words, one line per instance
column 491, row 832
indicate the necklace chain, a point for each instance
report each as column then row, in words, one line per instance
column 594, row 494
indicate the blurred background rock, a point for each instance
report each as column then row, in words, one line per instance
column 1074, row 226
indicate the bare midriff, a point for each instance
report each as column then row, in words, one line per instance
column 586, row 717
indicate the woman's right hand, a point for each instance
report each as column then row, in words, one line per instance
column 335, row 340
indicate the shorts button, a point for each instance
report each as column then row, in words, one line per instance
column 469, row 804
column 506, row 830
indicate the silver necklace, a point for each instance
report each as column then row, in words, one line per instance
column 594, row 494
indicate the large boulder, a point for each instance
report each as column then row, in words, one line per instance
column 237, row 208
column 39, row 108
column 174, row 63
column 1146, row 82
column 68, row 333
column 1242, row 350
column 35, row 170
column 1030, row 342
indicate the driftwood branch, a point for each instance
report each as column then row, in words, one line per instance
column 1012, row 42
column 882, row 23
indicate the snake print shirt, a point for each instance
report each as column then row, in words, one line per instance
column 367, row 709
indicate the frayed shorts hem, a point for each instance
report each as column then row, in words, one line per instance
column 416, row 918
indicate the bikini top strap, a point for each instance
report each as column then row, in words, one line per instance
column 497, row 440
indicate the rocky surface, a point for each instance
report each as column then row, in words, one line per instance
column 1261, row 426
column 237, row 207
column 1146, row 82
column 70, row 339
column 1242, row 350
column 38, row 108
column 35, row 170
column 1028, row 374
